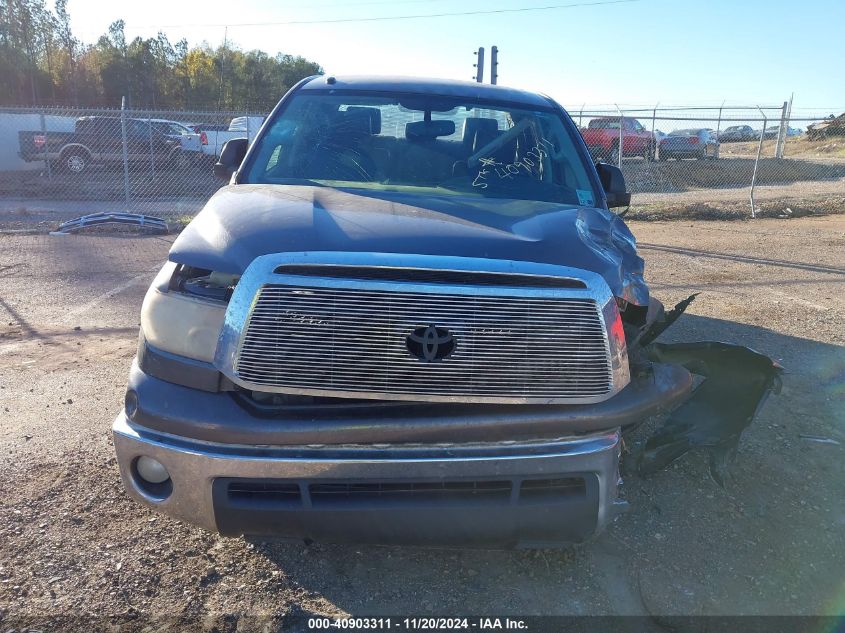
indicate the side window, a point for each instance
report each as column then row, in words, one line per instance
column 106, row 127
column 134, row 129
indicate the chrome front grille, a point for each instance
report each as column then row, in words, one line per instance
column 329, row 339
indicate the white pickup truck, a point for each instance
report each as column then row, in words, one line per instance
column 213, row 139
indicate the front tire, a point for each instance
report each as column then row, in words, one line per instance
column 75, row 161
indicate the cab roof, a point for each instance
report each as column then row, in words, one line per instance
column 420, row 85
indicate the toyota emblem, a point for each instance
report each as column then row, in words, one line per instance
column 430, row 343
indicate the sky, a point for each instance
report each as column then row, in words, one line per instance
column 637, row 52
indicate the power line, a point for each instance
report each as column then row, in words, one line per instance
column 354, row 4
column 399, row 17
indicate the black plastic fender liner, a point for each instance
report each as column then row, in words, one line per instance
column 737, row 382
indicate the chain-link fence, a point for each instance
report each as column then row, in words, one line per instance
column 61, row 163
column 722, row 160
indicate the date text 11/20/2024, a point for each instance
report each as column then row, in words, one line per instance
column 418, row 624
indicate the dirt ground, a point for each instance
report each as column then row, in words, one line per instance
column 794, row 147
column 77, row 554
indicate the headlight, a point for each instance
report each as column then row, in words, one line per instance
column 181, row 323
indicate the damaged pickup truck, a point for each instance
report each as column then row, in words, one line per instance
column 411, row 317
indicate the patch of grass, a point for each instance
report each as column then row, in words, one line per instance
column 179, row 222
column 726, row 173
column 794, row 147
column 784, row 208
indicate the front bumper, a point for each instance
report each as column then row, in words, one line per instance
column 400, row 473
column 497, row 494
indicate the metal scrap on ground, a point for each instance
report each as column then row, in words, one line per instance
column 146, row 222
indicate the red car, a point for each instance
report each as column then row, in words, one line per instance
column 602, row 139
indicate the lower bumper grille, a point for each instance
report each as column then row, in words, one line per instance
column 266, row 493
column 495, row 512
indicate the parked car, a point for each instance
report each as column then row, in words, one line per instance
column 99, row 140
column 771, row 132
column 426, row 333
column 692, row 143
column 239, row 127
column 737, row 133
column 199, row 128
column 602, row 139
column 190, row 140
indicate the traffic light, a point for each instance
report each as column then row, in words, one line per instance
column 494, row 64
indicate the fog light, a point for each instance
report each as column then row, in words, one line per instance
column 130, row 403
column 151, row 471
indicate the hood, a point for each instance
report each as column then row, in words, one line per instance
column 242, row 222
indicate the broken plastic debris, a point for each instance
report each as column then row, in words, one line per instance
column 737, row 382
column 661, row 324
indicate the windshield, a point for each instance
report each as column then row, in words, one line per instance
column 604, row 124
column 685, row 133
column 171, row 128
column 422, row 143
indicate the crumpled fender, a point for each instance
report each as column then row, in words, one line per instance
column 610, row 239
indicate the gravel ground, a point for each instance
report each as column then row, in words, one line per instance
column 77, row 554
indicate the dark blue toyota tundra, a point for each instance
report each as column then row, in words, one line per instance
column 410, row 317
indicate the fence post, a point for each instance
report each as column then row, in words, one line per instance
column 757, row 161
column 621, row 138
column 781, row 132
column 46, row 148
column 785, row 126
column 719, row 130
column 152, row 154
column 125, row 151
column 580, row 114
column 653, row 128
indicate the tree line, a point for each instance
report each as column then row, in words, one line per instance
column 43, row 63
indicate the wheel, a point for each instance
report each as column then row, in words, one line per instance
column 649, row 153
column 75, row 161
column 614, row 155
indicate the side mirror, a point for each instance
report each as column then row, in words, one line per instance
column 231, row 158
column 613, row 183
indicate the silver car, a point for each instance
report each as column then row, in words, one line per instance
column 692, row 143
